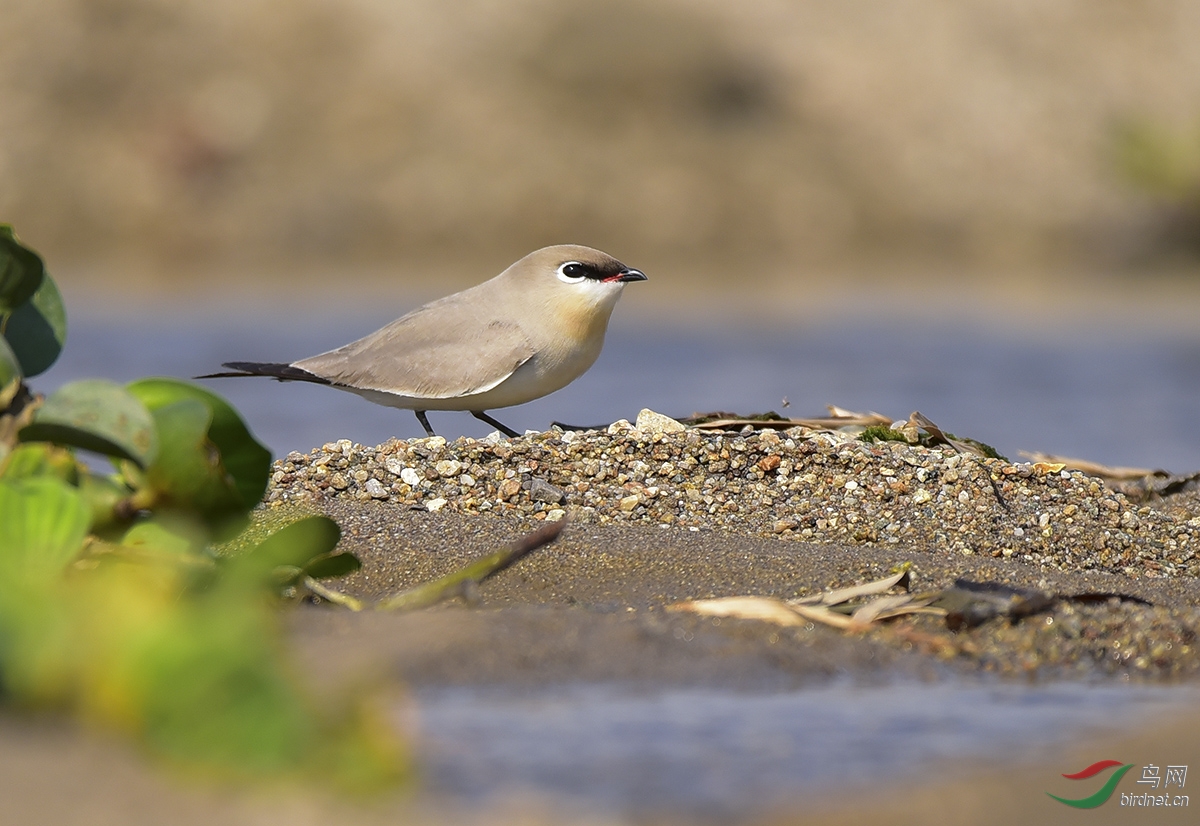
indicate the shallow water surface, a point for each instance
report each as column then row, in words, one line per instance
column 1129, row 398
column 719, row 754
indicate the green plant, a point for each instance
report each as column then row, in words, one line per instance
column 116, row 600
column 1163, row 162
column 919, row 430
column 883, row 433
column 1160, row 160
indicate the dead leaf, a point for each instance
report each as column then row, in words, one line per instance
column 938, row 436
column 837, row 419
column 823, row 615
column 886, row 607
column 854, row 591
column 815, row 608
column 1090, row 468
column 757, row 608
column 1043, row 468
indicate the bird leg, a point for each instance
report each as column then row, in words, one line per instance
column 424, row 420
column 484, row 417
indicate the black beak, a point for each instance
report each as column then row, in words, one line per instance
column 631, row 275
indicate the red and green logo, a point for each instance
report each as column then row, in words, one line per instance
column 1105, row 792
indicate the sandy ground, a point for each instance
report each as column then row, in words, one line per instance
column 589, row 607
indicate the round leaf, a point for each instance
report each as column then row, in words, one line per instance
column 188, row 473
column 188, row 469
column 246, row 461
column 21, row 271
column 37, row 329
column 96, row 415
column 43, row 523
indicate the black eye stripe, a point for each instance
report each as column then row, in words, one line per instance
column 577, row 269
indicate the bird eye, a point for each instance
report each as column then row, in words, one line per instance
column 572, row 272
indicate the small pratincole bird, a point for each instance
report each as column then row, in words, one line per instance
column 531, row 330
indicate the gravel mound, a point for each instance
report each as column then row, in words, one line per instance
column 810, row 486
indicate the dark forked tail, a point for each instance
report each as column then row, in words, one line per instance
column 282, row 372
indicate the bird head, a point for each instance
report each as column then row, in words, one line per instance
column 573, row 285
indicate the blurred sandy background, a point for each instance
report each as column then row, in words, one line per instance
column 183, row 143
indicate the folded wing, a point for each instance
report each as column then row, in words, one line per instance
column 434, row 353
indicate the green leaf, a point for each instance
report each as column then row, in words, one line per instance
column 216, row 696
column 246, row 461
column 37, row 329
column 40, row 459
column 295, row 545
column 43, row 523
column 10, row 374
column 188, row 470
column 96, row 415
column 332, row 565
column 167, row 534
column 21, row 271
column 104, row 495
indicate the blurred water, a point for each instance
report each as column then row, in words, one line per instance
column 1129, row 397
column 719, row 754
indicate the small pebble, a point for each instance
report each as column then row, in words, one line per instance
column 448, row 468
column 542, row 491
column 650, row 422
